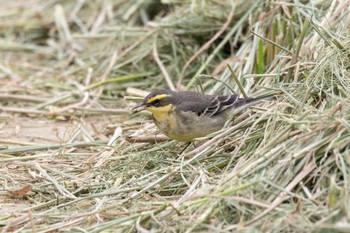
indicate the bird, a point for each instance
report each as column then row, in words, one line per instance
column 185, row 116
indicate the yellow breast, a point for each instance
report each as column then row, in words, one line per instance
column 160, row 113
column 163, row 118
column 168, row 123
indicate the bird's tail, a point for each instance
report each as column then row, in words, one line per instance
column 245, row 103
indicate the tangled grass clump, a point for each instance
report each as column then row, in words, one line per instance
column 74, row 159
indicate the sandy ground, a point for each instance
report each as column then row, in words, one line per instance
column 18, row 131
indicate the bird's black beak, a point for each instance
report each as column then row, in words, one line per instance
column 138, row 108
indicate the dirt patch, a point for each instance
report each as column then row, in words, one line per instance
column 33, row 131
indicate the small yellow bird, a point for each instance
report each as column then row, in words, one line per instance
column 184, row 116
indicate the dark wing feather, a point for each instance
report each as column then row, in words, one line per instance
column 224, row 102
column 194, row 102
column 206, row 105
column 213, row 108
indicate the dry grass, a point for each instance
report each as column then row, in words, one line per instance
column 70, row 70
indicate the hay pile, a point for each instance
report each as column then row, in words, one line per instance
column 70, row 71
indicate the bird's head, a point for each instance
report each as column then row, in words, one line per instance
column 157, row 101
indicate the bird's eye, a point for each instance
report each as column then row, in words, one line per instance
column 156, row 102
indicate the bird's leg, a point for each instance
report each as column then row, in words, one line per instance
column 186, row 146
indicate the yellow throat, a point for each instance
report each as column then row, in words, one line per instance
column 160, row 114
